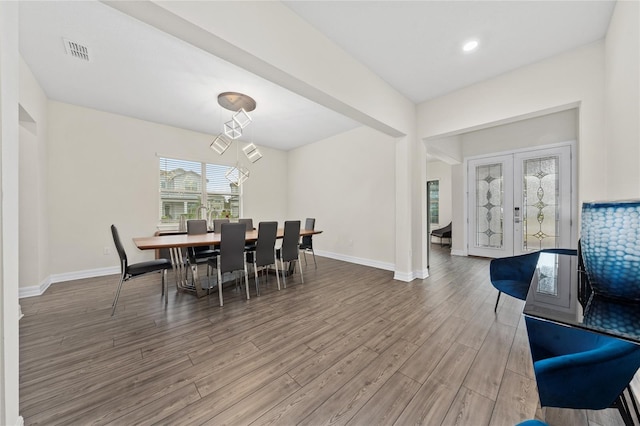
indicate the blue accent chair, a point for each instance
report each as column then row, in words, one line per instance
column 512, row 275
column 579, row 369
column 532, row 422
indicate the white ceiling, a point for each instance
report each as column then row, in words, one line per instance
column 138, row 71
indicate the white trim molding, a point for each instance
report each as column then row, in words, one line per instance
column 357, row 260
column 20, row 421
column 38, row 290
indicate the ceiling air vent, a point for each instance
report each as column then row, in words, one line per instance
column 76, row 49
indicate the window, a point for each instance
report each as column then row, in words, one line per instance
column 433, row 192
column 185, row 184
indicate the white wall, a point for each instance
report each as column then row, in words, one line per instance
column 347, row 183
column 622, row 112
column 103, row 169
column 9, row 239
column 547, row 129
column 33, row 228
column 573, row 79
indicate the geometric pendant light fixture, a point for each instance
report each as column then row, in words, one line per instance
column 241, row 105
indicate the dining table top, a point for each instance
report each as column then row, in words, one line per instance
column 208, row 239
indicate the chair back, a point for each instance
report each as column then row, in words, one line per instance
column 289, row 249
column 266, row 243
column 307, row 241
column 119, row 249
column 232, row 237
column 217, row 223
column 248, row 223
column 196, row 226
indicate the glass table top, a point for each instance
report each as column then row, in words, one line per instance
column 555, row 295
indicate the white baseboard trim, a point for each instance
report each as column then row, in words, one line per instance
column 458, row 253
column 410, row 276
column 38, row 290
column 357, row 260
column 20, row 421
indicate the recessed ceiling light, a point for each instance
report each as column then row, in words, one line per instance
column 470, row 46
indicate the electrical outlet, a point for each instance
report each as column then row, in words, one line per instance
column 106, row 251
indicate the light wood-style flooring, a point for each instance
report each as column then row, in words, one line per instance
column 349, row 346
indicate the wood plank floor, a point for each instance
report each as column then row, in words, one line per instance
column 349, row 346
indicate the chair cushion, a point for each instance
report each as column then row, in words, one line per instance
column 149, row 266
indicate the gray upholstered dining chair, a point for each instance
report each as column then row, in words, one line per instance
column 199, row 254
column 129, row 271
column 231, row 257
column 217, row 223
column 264, row 253
column 248, row 223
column 289, row 251
column 307, row 241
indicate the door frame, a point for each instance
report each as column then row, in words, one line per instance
column 574, row 208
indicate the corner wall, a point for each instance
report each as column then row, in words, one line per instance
column 33, row 228
column 347, row 183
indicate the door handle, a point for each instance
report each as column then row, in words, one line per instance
column 516, row 215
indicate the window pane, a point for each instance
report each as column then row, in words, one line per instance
column 180, row 189
column 433, row 187
column 223, row 197
column 183, row 186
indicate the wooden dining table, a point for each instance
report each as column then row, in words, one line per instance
column 176, row 243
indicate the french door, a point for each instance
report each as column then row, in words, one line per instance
column 519, row 202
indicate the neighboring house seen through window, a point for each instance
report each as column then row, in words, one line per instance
column 188, row 186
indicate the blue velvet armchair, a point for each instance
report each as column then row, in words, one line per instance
column 579, row 369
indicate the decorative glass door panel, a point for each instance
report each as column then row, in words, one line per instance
column 540, row 202
column 545, row 197
column 489, row 194
column 520, row 202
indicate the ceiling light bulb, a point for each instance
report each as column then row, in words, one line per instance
column 470, row 46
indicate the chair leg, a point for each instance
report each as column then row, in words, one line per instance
column 314, row 258
column 255, row 272
column 165, row 287
column 275, row 262
column 284, row 279
column 219, row 283
column 497, row 300
column 246, row 280
column 115, row 300
column 300, row 265
column 304, row 253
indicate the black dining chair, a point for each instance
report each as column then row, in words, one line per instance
column 289, row 251
column 231, row 257
column 264, row 253
column 217, row 223
column 128, row 271
column 307, row 241
column 199, row 254
column 249, row 223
